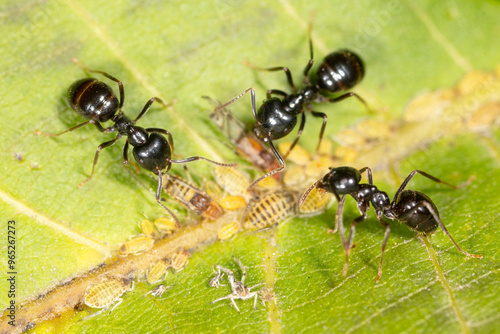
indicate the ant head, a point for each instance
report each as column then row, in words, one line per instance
column 273, row 121
column 339, row 71
column 155, row 154
column 93, row 99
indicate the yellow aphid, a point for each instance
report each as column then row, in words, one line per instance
column 157, row 271
column 180, row 259
column 105, row 293
column 165, row 225
column 346, row 154
column 268, row 183
column 374, row 129
column 228, row 230
column 474, row 80
column 270, row 209
column 232, row 202
column 484, row 116
column 428, row 105
column 318, row 167
column 213, row 191
column 316, row 202
column 232, row 180
column 351, row 138
column 294, row 176
column 137, row 245
column 299, row 155
column 147, row 228
column 325, row 148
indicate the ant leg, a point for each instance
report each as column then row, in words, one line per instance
column 190, row 159
column 146, row 107
column 350, row 94
column 412, row 174
column 120, row 84
column 368, row 173
column 347, row 247
column 435, row 215
column 158, row 199
column 274, row 69
column 323, row 126
column 311, row 55
column 40, row 133
column 165, row 132
column 384, row 243
column 96, row 157
column 275, row 92
column 299, row 133
column 339, row 224
column 125, row 153
column 274, row 171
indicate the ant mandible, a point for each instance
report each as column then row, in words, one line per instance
column 410, row 207
column 277, row 117
column 95, row 100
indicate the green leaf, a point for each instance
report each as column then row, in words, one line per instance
column 181, row 51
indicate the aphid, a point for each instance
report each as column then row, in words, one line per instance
column 232, row 202
column 232, row 180
column 315, row 203
column 215, row 281
column 102, row 295
column 269, row 209
column 299, row 155
column 191, row 197
column 266, row 295
column 165, row 225
column 213, row 190
column 158, row 291
column 137, row 245
column 95, row 100
column 180, row 260
column 247, row 144
column 410, row 207
column 156, row 272
column 240, row 291
column 148, row 229
column 277, row 116
column 228, row 230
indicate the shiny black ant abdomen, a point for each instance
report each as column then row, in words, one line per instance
column 410, row 207
column 96, row 101
column 277, row 116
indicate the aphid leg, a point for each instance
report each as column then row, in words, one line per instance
column 243, row 270
column 96, row 157
column 118, row 302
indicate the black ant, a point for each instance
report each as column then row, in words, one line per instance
column 95, row 100
column 410, row 207
column 277, row 117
